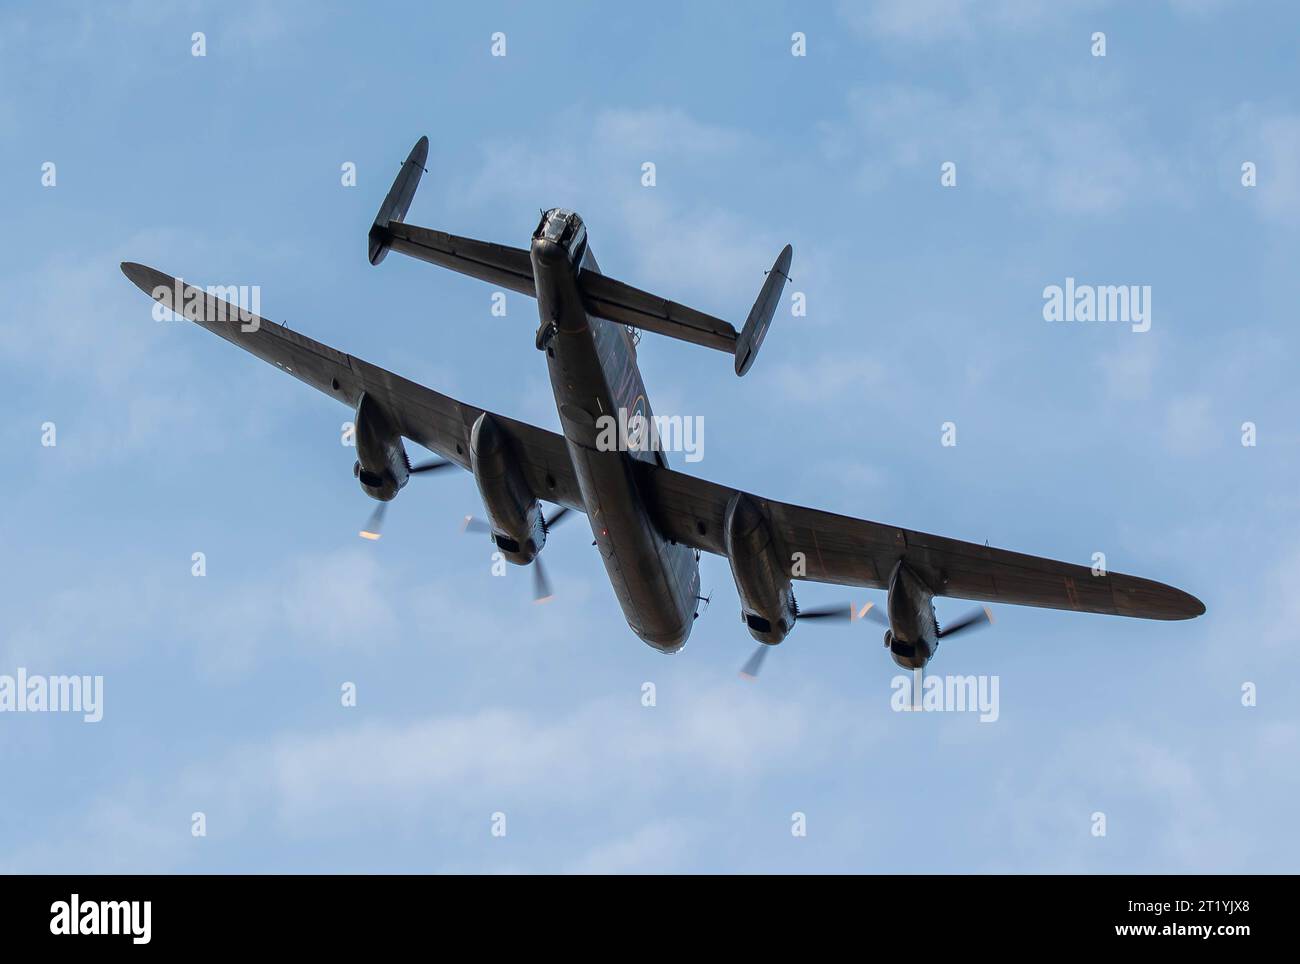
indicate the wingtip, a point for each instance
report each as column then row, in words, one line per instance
column 1186, row 606
column 420, row 152
column 1146, row 599
column 145, row 278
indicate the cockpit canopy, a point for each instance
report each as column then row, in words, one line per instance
column 564, row 228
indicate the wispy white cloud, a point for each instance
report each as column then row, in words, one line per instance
column 929, row 21
column 464, row 767
column 656, row 131
column 116, row 382
column 848, row 379
column 1168, row 808
column 1269, row 137
column 1130, row 367
column 1190, row 425
column 677, row 249
column 656, row 847
column 926, row 22
column 114, row 615
column 1080, row 149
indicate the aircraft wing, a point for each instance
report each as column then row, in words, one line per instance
column 436, row 421
column 689, row 510
column 854, row 552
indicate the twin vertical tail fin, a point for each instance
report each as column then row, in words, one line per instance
column 760, row 316
column 398, row 200
column 602, row 296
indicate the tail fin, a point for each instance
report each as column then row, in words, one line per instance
column 398, row 200
column 760, row 316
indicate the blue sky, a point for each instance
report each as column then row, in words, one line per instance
column 222, row 693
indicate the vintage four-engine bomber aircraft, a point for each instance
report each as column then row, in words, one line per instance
column 650, row 522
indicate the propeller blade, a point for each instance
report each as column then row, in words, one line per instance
column 551, row 522
column 430, row 465
column 474, row 525
column 755, row 662
column 843, row 611
column 872, row 611
column 918, row 687
column 541, row 585
column 375, row 524
column 975, row 619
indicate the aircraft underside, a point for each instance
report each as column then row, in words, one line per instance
column 649, row 522
column 657, row 583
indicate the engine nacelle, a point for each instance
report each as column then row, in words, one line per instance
column 518, row 528
column 912, row 638
column 382, row 466
column 763, row 582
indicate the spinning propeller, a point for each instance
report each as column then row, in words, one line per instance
column 755, row 663
column 844, row 612
column 841, row 612
column 975, row 619
column 541, row 584
column 375, row 524
column 872, row 611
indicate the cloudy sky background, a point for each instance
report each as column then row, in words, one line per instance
column 924, row 306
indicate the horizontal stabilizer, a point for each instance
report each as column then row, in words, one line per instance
column 494, row 263
column 616, row 301
column 608, row 298
column 398, row 200
column 603, row 296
